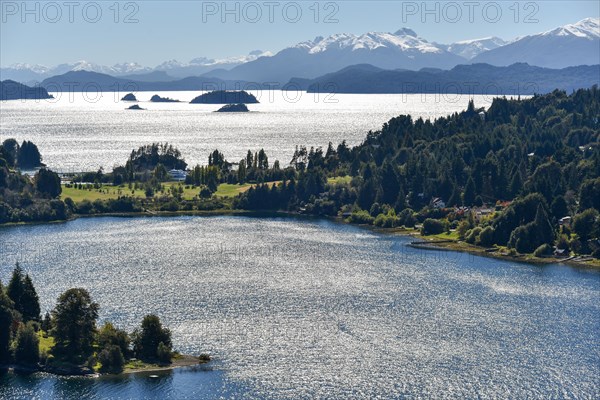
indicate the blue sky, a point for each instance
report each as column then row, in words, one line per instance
column 150, row 32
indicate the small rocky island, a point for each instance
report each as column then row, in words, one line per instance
column 11, row 90
column 129, row 97
column 135, row 107
column 225, row 97
column 233, row 108
column 157, row 99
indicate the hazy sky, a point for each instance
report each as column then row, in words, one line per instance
column 150, row 32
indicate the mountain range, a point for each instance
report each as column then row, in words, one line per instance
column 168, row 70
column 516, row 79
column 568, row 45
column 574, row 44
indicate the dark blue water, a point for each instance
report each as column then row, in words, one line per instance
column 298, row 309
column 183, row 383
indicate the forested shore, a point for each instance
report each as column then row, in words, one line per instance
column 520, row 178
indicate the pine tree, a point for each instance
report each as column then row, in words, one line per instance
column 7, row 314
column 15, row 288
column 516, row 184
column 22, row 292
column 454, row 199
column 30, row 302
column 46, row 322
column 74, row 328
column 469, row 193
column 389, row 184
column 543, row 226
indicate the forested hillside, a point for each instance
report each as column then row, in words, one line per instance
column 542, row 154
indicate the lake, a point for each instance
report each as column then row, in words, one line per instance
column 305, row 308
column 85, row 131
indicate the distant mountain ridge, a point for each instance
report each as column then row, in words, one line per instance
column 11, row 90
column 516, row 79
column 78, row 81
column 173, row 68
column 519, row 78
column 573, row 44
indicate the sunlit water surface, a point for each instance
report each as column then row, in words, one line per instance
column 82, row 132
column 304, row 309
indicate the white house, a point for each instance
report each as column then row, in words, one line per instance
column 565, row 221
column 438, row 203
column 178, row 175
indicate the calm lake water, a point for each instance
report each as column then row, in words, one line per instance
column 76, row 131
column 303, row 309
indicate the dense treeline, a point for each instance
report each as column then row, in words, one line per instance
column 542, row 152
column 72, row 341
column 24, row 199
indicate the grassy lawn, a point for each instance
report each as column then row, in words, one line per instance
column 46, row 343
column 452, row 235
column 104, row 193
column 231, row 190
column 107, row 192
column 339, row 179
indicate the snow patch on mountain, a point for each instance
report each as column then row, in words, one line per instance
column 403, row 40
column 471, row 48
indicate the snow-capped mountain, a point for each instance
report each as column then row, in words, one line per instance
column 404, row 40
column 27, row 73
column 471, row 48
column 36, row 73
column 588, row 28
column 201, row 65
column 568, row 45
column 403, row 49
column 35, row 68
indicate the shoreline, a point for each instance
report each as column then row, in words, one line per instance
column 425, row 242
column 180, row 361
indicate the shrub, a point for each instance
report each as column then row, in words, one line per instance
column 163, row 353
column 432, row 227
column 112, row 359
column 543, row 250
column 27, row 345
column 360, row 217
column 575, row 245
column 562, row 242
column 388, row 220
column 108, row 336
column 486, row 237
column 472, row 235
column 205, row 192
column 462, row 229
column 375, row 210
column 407, row 218
column 85, row 207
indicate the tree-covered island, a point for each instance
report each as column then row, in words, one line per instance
column 520, row 179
